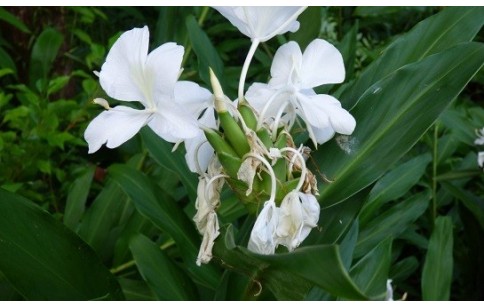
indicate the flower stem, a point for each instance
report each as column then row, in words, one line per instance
column 245, row 68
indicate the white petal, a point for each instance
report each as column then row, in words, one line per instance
column 322, row 64
column 286, row 65
column 262, row 237
column 321, row 135
column 236, row 16
column 324, row 110
column 162, row 70
column 480, row 159
column 258, row 95
column 260, row 22
column 173, row 125
column 310, row 211
column 122, row 73
column 310, row 110
column 290, row 221
column 114, row 126
column 198, row 148
column 341, row 120
column 192, row 97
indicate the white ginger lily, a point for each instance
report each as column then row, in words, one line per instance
column 262, row 238
column 198, row 102
column 131, row 74
column 299, row 213
column 290, row 92
column 260, row 23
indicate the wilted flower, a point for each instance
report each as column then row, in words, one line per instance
column 262, row 237
column 208, row 199
column 289, row 92
column 298, row 214
column 131, row 74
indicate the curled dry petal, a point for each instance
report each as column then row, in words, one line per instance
column 211, row 232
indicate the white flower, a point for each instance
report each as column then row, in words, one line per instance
column 389, row 293
column 262, row 22
column 289, row 92
column 480, row 136
column 131, row 74
column 262, row 237
column 198, row 102
column 480, row 159
column 298, row 214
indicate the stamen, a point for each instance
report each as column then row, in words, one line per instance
column 102, row 102
column 197, row 163
column 277, row 119
column 271, row 173
column 303, row 166
column 266, row 107
column 210, row 182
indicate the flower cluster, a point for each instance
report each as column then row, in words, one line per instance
column 245, row 143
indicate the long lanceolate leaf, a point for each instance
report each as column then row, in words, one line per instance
column 392, row 115
column 450, row 27
column 307, row 264
column 437, row 270
column 44, row 260
column 166, row 215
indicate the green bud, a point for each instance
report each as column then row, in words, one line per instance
column 234, row 134
column 247, row 114
column 218, row 143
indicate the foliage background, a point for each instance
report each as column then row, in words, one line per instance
column 408, row 207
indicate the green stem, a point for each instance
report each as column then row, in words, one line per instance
column 434, row 172
column 131, row 263
column 201, row 20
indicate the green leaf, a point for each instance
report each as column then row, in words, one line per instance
column 206, row 53
column 13, row 20
column 371, row 271
column 46, row 261
column 6, row 61
column 473, row 203
column 391, row 222
column 57, row 84
column 76, row 198
column 161, row 152
column 446, row 29
column 167, row 216
column 310, row 25
column 404, row 268
column 304, row 263
column 102, row 216
column 437, row 269
column 394, row 185
column 136, row 290
column 388, row 125
column 163, row 276
column 43, row 54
